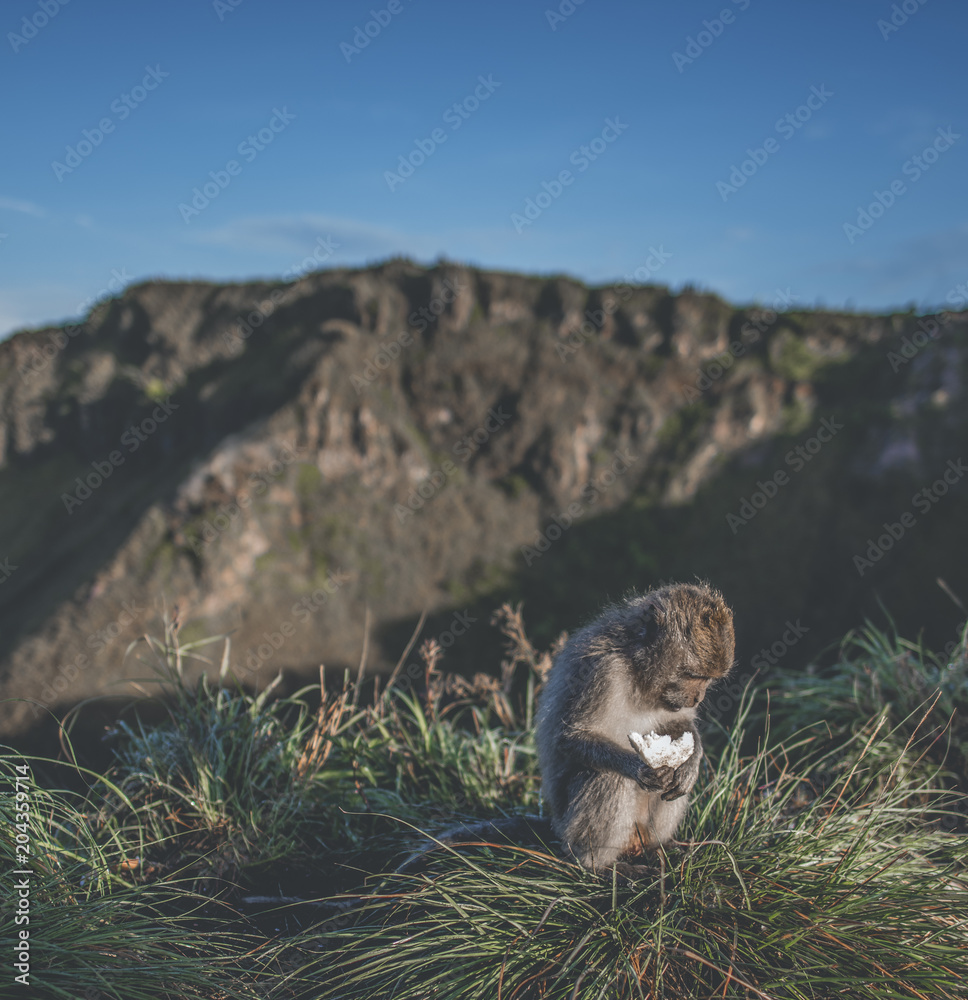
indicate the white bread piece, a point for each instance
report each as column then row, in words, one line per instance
column 663, row 751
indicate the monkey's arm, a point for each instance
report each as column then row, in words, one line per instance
column 685, row 774
column 593, row 752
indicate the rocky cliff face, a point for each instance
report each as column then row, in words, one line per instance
column 277, row 459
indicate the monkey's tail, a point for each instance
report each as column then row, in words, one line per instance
column 517, row 830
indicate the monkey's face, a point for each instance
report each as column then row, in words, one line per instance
column 687, row 690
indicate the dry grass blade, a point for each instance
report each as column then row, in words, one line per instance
column 406, row 650
column 520, row 650
column 366, row 648
column 328, row 721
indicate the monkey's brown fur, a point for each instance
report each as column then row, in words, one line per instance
column 643, row 666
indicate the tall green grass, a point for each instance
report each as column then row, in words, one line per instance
column 783, row 892
column 829, row 863
column 94, row 931
column 920, row 693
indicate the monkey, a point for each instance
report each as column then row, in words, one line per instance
column 642, row 665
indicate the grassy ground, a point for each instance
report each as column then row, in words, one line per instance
column 826, row 856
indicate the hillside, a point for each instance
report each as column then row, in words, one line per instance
column 275, row 459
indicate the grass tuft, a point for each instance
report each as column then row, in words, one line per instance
column 247, row 845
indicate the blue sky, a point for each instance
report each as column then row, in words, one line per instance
column 335, row 125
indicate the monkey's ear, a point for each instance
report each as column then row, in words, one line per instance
column 720, row 615
column 653, row 618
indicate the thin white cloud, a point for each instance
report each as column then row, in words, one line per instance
column 20, row 205
column 928, row 255
column 295, row 235
column 921, row 269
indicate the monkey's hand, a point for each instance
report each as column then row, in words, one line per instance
column 684, row 777
column 654, row 779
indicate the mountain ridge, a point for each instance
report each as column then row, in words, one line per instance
column 385, row 440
